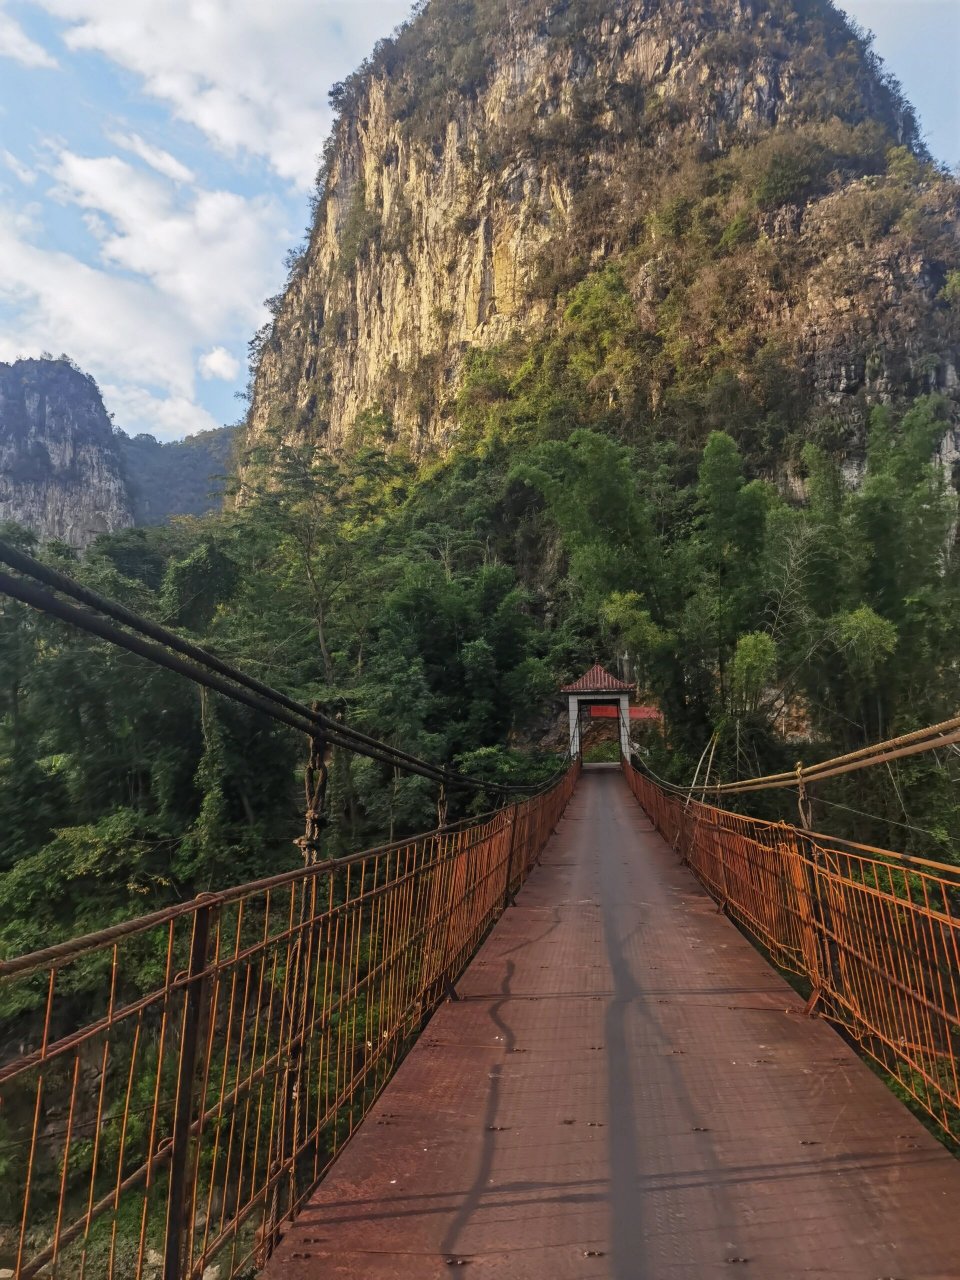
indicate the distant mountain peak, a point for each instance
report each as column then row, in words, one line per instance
column 60, row 472
column 67, row 474
column 747, row 166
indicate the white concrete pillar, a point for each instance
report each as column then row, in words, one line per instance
column 573, row 703
column 625, row 725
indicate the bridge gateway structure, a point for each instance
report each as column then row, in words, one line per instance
column 597, row 688
column 617, row 1083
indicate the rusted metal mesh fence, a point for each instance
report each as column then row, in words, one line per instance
column 173, row 1088
column 876, row 934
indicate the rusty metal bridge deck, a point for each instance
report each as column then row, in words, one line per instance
column 626, row 1089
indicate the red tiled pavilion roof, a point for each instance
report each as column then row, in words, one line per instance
column 597, row 680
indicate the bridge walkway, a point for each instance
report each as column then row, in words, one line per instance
column 626, row 1089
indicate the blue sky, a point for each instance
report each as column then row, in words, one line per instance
column 156, row 158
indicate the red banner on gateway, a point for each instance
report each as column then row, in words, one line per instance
column 606, row 711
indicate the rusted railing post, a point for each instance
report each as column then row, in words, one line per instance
column 446, row 981
column 830, row 972
column 803, row 878
column 182, row 1169
column 514, row 821
column 721, row 845
column 825, row 967
column 316, row 776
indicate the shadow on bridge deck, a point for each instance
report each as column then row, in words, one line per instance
column 627, row 1090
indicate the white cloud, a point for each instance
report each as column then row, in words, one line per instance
column 164, row 163
column 213, row 253
column 253, row 76
column 219, row 363
column 104, row 321
column 166, row 417
column 22, row 172
column 180, row 271
column 16, row 44
column 149, row 279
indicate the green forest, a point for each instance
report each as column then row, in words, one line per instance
column 445, row 602
column 176, row 477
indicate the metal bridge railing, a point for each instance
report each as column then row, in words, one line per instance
column 876, row 933
column 174, row 1087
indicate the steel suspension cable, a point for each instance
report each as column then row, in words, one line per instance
column 51, row 577
column 206, row 668
column 947, row 733
column 45, row 602
column 916, row 743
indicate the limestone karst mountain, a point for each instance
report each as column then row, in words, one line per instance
column 60, row 468
column 66, row 473
column 785, row 252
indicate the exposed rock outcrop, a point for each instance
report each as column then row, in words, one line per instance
column 491, row 155
column 66, row 473
column 60, row 472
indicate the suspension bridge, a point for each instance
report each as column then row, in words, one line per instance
column 605, row 1029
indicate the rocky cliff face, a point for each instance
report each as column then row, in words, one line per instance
column 65, row 472
column 747, row 166
column 59, row 465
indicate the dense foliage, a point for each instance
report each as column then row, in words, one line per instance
column 122, row 787
column 447, row 602
column 770, row 621
column 176, row 477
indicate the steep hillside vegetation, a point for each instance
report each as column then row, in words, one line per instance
column 176, row 477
